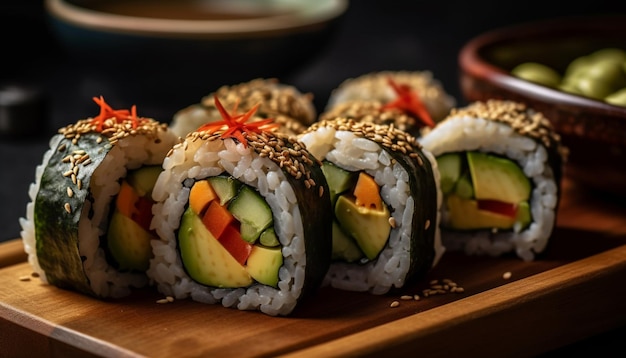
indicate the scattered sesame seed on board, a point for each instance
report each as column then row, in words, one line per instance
column 394, row 304
column 436, row 287
column 24, row 278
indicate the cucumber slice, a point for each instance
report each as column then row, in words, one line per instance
column 225, row 187
column 143, row 179
column 249, row 207
column 339, row 180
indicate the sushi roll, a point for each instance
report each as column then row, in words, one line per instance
column 417, row 93
column 385, row 200
column 378, row 113
column 87, row 225
column 500, row 164
column 243, row 216
column 285, row 104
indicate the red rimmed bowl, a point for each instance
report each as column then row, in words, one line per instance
column 592, row 129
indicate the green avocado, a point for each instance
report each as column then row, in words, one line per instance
column 344, row 247
column 464, row 214
column 449, row 170
column 205, row 259
column 252, row 211
column 497, row 178
column 128, row 243
column 370, row 228
column 263, row 264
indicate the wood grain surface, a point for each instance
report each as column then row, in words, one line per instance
column 572, row 292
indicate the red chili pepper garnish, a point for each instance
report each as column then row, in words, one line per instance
column 234, row 125
column 120, row 115
column 409, row 102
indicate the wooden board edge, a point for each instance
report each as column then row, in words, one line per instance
column 538, row 308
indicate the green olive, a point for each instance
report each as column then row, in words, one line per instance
column 617, row 98
column 608, row 71
column 577, row 67
column 537, row 73
column 609, row 54
column 593, row 88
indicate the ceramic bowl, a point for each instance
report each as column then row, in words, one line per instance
column 592, row 129
column 191, row 47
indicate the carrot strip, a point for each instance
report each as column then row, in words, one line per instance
column 367, row 192
column 217, row 218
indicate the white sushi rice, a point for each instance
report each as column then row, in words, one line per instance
column 129, row 153
column 199, row 159
column 466, row 133
column 351, row 152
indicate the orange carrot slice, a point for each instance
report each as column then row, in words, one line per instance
column 367, row 192
column 217, row 218
column 201, row 195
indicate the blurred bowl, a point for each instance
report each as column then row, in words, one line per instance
column 593, row 130
column 194, row 46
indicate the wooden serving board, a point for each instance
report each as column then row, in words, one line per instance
column 576, row 290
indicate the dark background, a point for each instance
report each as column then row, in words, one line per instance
column 372, row 36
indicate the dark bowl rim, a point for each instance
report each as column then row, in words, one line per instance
column 315, row 18
column 472, row 63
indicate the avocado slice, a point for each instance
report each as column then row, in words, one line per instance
column 205, row 259
column 143, row 179
column 225, row 187
column 497, row 178
column 339, row 180
column 449, row 170
column 128, row 243
column 370, row 228
column 253, row 213
column 465, row 215
column 344, row 247
column 263, row 264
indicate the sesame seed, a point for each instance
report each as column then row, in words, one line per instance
column 70, row 192
column 24, row 278
column 427, row 225
column 406, row 297
column 392, row 222
column 506, row 275
column 394, row 304
column 67, row 208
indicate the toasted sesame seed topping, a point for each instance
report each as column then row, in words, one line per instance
column 284, row 104
column 67, row 208
column 290, row 154
column 386, row 135
column 524, row 120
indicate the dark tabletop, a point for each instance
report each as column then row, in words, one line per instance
column 372, row 36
